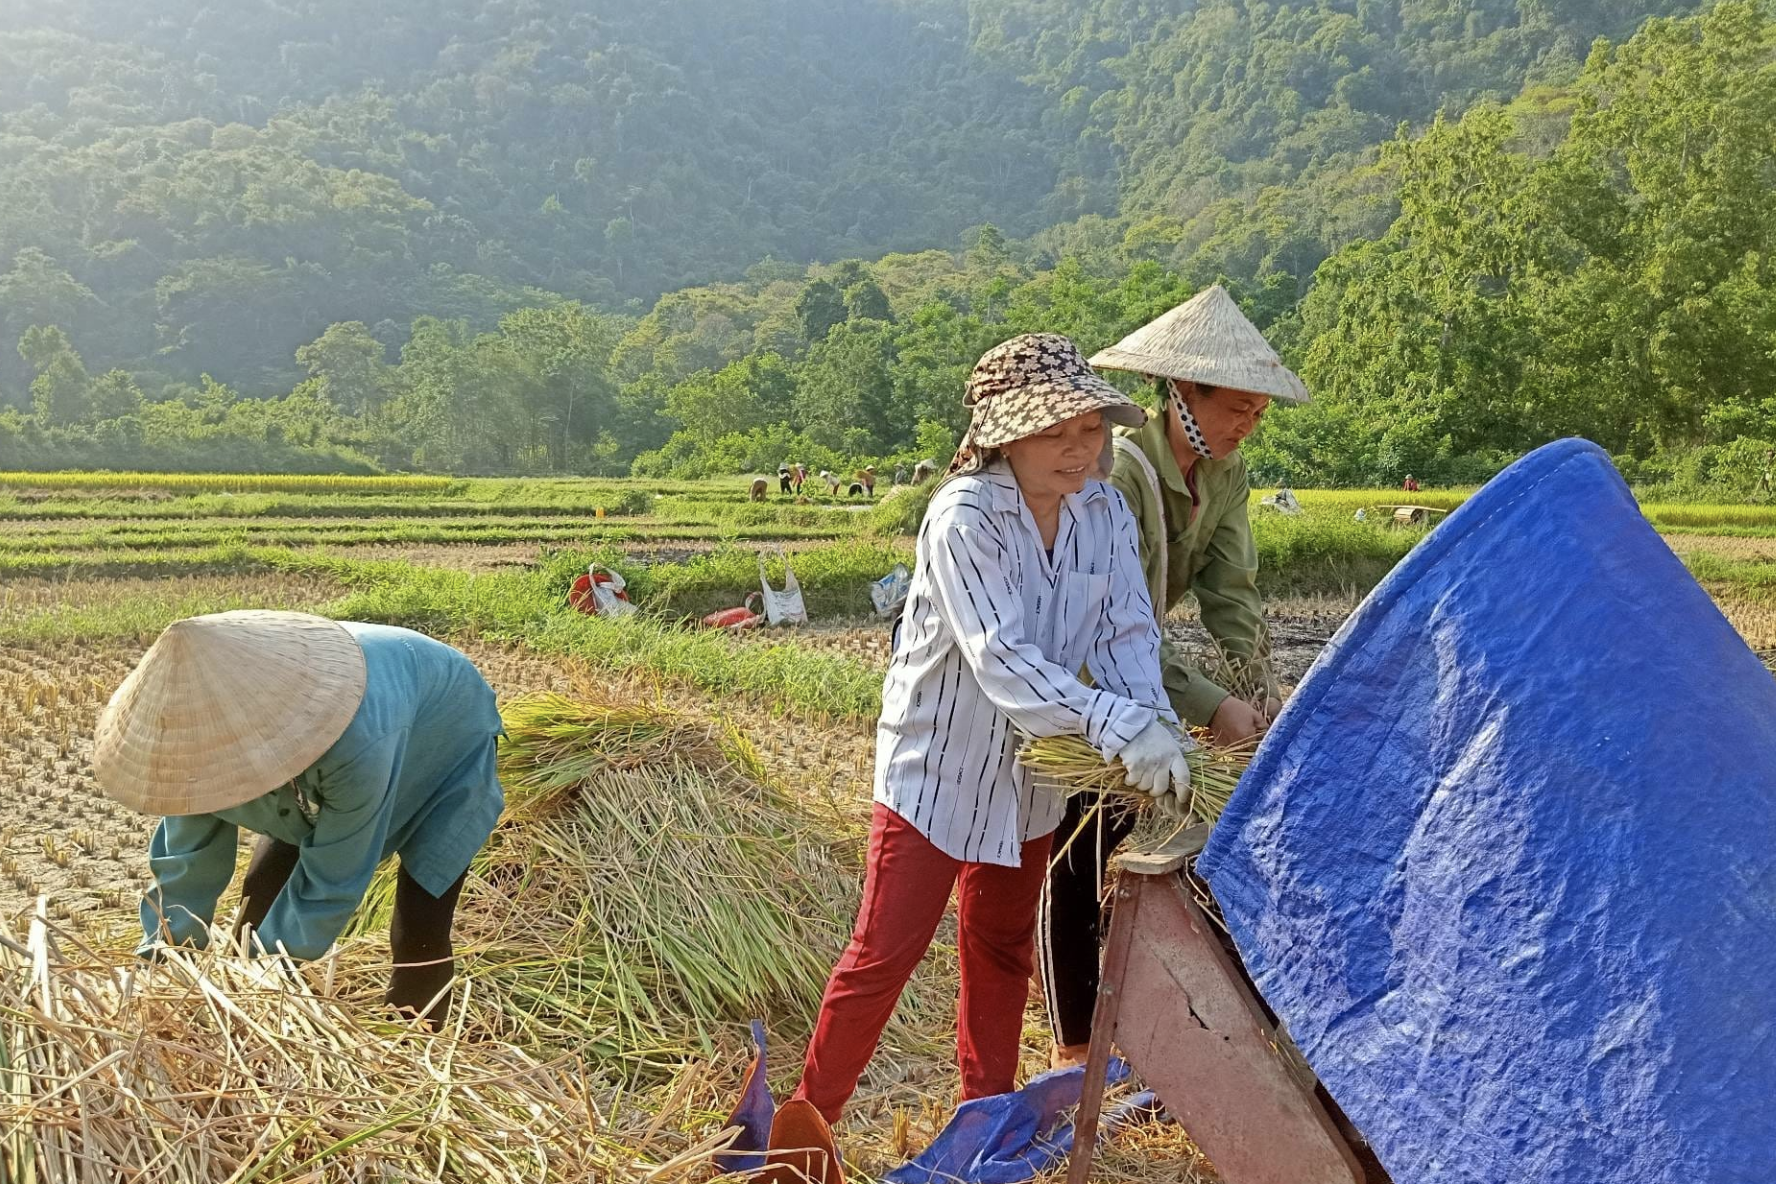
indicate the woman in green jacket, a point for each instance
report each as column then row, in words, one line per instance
column 1184, row 478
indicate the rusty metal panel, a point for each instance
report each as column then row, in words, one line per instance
column 1189, row 1026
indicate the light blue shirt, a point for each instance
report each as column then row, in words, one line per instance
column 414, row 774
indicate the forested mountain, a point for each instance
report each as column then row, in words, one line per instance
column 464, row 230
column 226, row 179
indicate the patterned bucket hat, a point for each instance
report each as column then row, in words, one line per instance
column 1032, row 382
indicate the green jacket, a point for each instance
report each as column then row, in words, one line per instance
column 1208, row 551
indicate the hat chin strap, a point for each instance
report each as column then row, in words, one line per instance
column 1192, row 431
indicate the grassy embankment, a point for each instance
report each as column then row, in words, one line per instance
column 281, row 531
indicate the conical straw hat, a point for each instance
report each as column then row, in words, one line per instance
column 225, row 708
column 1206, row 339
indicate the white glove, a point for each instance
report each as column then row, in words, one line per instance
column 1174, row 806
column 1154, row 759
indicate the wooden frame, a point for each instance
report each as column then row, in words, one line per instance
column 1185, row 1019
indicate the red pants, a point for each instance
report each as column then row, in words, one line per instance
column 905, row 888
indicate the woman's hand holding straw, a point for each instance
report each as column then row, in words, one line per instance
column 1155, row 759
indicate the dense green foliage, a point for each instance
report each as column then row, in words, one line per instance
column 228, row 180
column 438, row 232
column 1620, row 285
column 217, row 180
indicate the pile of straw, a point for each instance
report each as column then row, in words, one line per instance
column 1248, row 678
column 648, row 887
column 205, row 1067
column 647, row 890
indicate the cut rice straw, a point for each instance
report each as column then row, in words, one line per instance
column 207, row 1067
column 647, row 888
column 1073, row 766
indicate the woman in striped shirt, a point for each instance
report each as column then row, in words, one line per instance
column 1028, row 572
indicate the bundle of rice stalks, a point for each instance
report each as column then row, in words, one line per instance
column 1074, row 766
column 204, row 1067
column 556, row 743
column 648, row 886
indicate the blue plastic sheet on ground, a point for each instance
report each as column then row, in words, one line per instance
column 1506, row 863
column 752, row 1115
column 1010, row 1138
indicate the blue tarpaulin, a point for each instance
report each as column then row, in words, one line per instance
column 1506, row 863
column 1004, row 1139
column 1010, row 1138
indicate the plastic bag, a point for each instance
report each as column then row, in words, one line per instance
column 1283, row 501
column 785, row 607
column 609, row 594
column 600, row 592
column 751, row 1119
column 890, row 592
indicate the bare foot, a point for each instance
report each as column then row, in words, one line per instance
column 1068, row 1056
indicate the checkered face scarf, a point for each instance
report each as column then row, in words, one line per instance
column 1192, row 430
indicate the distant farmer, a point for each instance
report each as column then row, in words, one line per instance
column 866, row 477
column 798, row 475
column 1410, row 485
column 900, row 474
column 832, row 482
column 761, row 488
column 987, row 653
column 923, row 472
column 1184, row 478
column 783, row 479
column 339, row 744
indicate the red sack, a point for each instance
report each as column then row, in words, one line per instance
column 584, row 594
column 743, row 617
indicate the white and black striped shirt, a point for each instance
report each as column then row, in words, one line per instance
column 995, row 632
